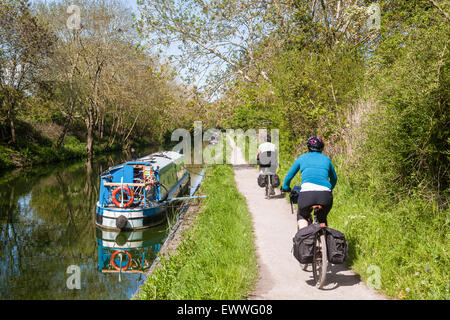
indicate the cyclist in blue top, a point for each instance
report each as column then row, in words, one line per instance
column 318, row 181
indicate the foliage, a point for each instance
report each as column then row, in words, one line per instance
column 407, row 146
column 24, row 44
column 382, row 107
column 220, row 244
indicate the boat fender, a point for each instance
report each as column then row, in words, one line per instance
column 122, row 238
column 121, row 222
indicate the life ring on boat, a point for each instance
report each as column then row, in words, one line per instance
column 117, row 202
column 114, row 264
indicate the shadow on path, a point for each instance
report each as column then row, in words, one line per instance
column 336, row 277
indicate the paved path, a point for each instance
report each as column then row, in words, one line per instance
column 281, row 277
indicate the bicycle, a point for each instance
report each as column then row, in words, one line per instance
column 320, row 257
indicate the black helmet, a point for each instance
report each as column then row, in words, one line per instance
column 268, row 138
column 315, row 144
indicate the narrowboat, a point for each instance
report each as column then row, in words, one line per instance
column 135, row 194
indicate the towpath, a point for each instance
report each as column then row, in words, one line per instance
column 280, row 275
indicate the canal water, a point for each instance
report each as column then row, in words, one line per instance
column 50, row 247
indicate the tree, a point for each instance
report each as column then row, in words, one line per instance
column 217, row 39
column 222, row 39
column 99, row 74
column 88, row 58
column 24, row 44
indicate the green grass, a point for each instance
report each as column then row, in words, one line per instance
column 408, row 240
column 217, row 258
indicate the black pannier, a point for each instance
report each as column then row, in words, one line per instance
column 276, row 181
column 337, row 246
column 303, row 248
column 262, row 180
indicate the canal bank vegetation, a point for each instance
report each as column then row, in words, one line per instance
column 217, row 258
column 374, row 86
column 77, row 82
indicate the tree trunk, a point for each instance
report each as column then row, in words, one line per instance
column 11, row 123
column 66, row 126
column 63, row 134
column 89, row 138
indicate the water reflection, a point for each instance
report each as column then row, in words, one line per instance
column 46, row 225
column 128, row 252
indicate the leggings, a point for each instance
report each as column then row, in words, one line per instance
column 309, row 198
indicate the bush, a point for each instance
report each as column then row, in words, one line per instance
column 407, row 144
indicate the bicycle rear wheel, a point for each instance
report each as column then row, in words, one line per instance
column 320, row 260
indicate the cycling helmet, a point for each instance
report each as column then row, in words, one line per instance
column 315, row 144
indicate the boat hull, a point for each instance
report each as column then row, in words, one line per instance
column 136, row 219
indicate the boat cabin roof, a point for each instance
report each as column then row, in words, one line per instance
column 157, row 160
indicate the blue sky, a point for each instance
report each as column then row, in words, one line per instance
column 133, row 4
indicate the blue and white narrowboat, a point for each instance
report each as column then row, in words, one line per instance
column 135, row 194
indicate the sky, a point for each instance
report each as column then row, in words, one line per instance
column 133, row 4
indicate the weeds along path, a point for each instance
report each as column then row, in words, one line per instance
column 280, row 275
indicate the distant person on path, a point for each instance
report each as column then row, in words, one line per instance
column 267, row 158
column 318, row 180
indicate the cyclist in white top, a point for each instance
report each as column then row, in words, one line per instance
column 267, row 158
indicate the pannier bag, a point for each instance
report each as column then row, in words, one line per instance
column 303, row 248
column 276, row 181
column 262, row 180
column 294, row 194
column 337, row 246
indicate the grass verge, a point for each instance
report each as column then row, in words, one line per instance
column 408, row 241
column 217, row 258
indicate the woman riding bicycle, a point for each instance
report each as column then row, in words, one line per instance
column 318, row 180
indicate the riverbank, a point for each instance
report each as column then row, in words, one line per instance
column 41, row 152
column 216, row 259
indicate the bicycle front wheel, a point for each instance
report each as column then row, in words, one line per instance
column 320, row 260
